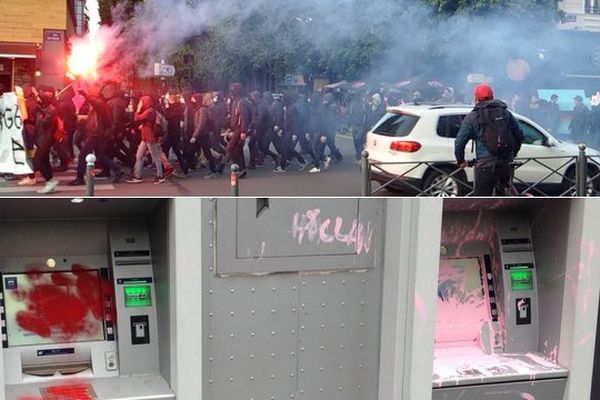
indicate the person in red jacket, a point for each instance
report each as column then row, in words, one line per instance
column 145, row 116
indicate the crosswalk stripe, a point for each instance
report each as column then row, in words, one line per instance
column 33, row 189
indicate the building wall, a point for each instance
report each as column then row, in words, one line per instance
column 577, row 16
column 25, row 20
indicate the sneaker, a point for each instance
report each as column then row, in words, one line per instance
column 242, row 174
column 326, row 163
column 303, row 166
column 279, row 169
column 159, row 180
column 27, row 181
column 212, row 175
column 179, row 174
column 50, row 187
column 76, row 182
column 134, row 179
column 314, row 170
column 118, row 177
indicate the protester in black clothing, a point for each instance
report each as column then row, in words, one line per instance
column 98, row 120
column 174, row 114
column 45, row 128
column 113, row 145
column 296, row 127
column 200, row 140
column 327, row 122
column 68, row 116
column 240, row 115
column 218, row 115
column 357, row 115
column 553, row 112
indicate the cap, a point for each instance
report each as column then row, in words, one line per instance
column 483, row 92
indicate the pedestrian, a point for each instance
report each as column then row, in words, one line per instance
column 497, row 137
column 326, row 131
column 96, row 125
column 145, row 116
column 580, row 121
column 553, row 112
column 200, row 140
column 240, row 114
column 174, row 114
column 357, row 117
column 46, row 118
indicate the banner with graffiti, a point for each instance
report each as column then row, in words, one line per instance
column 13, row 155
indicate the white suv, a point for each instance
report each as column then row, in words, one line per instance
column 413, row 134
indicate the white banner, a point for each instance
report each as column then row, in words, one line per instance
column 13, row 155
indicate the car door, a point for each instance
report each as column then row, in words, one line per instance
column 536, row 145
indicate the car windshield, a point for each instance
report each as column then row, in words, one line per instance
column 395, row 124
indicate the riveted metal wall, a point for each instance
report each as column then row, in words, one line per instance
column 310, row 332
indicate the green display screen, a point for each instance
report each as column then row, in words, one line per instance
column 137, row 296
column 521, row 280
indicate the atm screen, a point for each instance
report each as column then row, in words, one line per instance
column 53, row 307
column 461, row 305
column 521, row 280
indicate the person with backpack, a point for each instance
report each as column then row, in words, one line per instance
column 145, row 116
column 498, row 139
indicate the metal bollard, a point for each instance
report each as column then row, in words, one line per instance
column 581, row 172
column 235, row 188
column 366, row 173
column 90, row 159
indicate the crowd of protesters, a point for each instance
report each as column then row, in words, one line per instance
column 180, row 132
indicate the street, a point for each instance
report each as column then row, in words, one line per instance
column 341, row 179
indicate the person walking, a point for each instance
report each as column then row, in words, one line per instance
column 498, row 139
column 145, row 116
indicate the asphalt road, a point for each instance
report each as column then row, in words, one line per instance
column 341, row 179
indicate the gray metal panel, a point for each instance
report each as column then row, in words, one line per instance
column 251, row 329
column 339, row 335
column 272, row 242
column 552, row 389
column 255, row 346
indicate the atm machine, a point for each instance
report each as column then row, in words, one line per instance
column 83, row 327
column 487, row 340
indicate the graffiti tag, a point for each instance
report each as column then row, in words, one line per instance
column 312, row 228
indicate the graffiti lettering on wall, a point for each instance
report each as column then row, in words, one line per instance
column 13, row 156
column 311, row 227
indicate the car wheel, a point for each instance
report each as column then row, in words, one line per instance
column 439, row 184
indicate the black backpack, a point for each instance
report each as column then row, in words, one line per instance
column 497, row 131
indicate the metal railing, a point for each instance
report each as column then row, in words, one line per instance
column 579, row 176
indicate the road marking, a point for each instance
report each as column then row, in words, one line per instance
column 64, row 188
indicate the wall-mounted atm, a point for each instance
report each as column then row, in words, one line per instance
column 499, row 307
column 82, row 326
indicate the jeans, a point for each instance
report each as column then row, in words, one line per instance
column 139, row 159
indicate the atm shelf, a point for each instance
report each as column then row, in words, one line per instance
column 469, row 365
column 139, row 387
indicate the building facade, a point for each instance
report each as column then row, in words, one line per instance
column 33, row 40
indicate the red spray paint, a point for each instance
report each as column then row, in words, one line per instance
column 61, row 303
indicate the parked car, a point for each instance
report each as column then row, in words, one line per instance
column 414, row 134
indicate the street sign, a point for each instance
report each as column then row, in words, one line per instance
column 479, row 78
column 164, row 70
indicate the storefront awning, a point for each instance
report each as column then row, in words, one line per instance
column 17, row 50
